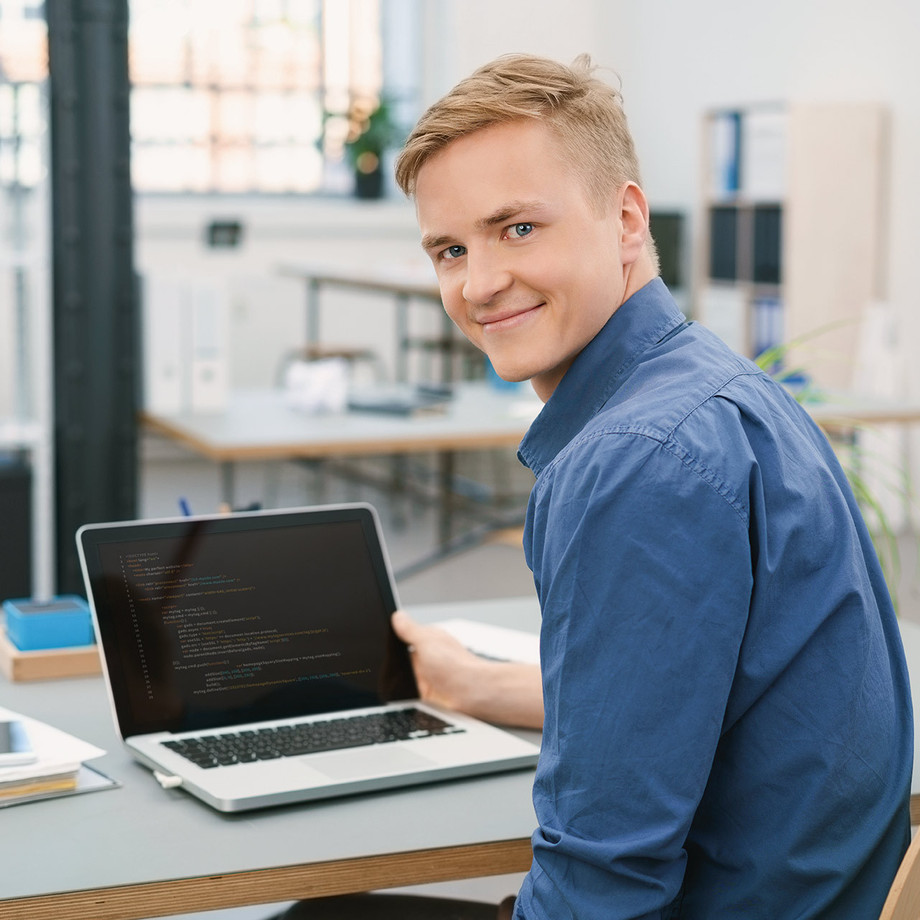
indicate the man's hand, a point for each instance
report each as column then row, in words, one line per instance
column 444, row 670
column 451, row 676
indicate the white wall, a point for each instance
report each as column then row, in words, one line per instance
column 676, row 59
column 461, row 36
column 267, row 310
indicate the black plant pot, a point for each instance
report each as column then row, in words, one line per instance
column 369, row 184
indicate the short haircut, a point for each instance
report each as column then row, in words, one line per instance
column 585, row 113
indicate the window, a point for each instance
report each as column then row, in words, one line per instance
column 23, row 175
column 248, row 95
column 23, row 69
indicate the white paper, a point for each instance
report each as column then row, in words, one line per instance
column 496, row 642
column 317, row 386
column 57, row 752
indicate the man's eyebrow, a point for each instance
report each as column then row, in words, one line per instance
column 434, row 242
column 507, row 211
column 499, row 216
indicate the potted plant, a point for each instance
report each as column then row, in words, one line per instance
column 372, row 130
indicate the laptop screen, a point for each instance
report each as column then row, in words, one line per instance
column 215, row 621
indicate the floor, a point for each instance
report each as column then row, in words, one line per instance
column 491, row 565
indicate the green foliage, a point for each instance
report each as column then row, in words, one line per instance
column 371, row 131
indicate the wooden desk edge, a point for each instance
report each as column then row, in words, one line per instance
column 164, row 428
column 448, row 441
column 285, row 883
column 837, row 416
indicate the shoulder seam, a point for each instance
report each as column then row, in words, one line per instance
column 669, row 444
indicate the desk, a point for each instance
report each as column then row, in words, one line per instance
column 259, row 425
column 843, row 410
column 139, row 851
column 401, row 281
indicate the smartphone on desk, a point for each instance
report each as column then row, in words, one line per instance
column 15, row 748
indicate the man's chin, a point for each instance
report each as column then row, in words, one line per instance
column 508, row 372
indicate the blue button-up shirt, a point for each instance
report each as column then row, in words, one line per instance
column 728, row 725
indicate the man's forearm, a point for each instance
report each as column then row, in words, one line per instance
column 509, row 693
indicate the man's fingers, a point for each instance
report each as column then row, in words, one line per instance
column 404, row 626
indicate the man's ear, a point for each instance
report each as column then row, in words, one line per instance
column 633, row 209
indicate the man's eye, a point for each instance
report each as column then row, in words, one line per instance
column 517, row 231
column 453, row 252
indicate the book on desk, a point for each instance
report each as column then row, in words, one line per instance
column 57, row 765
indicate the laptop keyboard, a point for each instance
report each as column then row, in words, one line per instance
column 310, row 737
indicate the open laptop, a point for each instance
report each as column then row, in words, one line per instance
column 250, row 660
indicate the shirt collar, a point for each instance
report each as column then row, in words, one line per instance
column 639, row 323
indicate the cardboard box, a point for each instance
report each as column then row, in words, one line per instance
column 47, row 664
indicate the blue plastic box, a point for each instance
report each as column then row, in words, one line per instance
column 62, row 622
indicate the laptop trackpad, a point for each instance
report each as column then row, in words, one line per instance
column 374, row 761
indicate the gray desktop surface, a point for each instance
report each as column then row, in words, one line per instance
column 142, row 833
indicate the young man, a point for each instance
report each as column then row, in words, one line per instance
column 728, row 730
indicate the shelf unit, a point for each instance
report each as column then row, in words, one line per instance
column 792, row 243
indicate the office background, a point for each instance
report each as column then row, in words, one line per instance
column 677, row 61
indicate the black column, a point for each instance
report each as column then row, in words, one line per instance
column 94, row 293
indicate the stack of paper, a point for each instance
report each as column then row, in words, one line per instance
column 57, row 768
column 496, row 642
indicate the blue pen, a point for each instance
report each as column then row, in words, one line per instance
column 184, row 507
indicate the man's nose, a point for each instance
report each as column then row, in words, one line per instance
column 486, row 276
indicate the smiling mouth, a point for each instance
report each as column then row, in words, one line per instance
column 507, row 320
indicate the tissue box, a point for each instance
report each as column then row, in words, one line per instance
column 62, row 622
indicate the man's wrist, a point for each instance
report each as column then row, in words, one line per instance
column 478, row 688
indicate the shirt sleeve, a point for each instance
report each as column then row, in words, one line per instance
column 643, row 566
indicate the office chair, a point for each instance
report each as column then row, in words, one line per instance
column 903, row 901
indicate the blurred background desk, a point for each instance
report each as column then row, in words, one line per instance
column 876, row 433
column 260, row 425
column 140, row 851
column 841, row 410
column 403, row 282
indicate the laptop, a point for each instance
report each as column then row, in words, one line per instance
column 249, row 659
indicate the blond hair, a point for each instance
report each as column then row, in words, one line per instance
column 584, row 112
